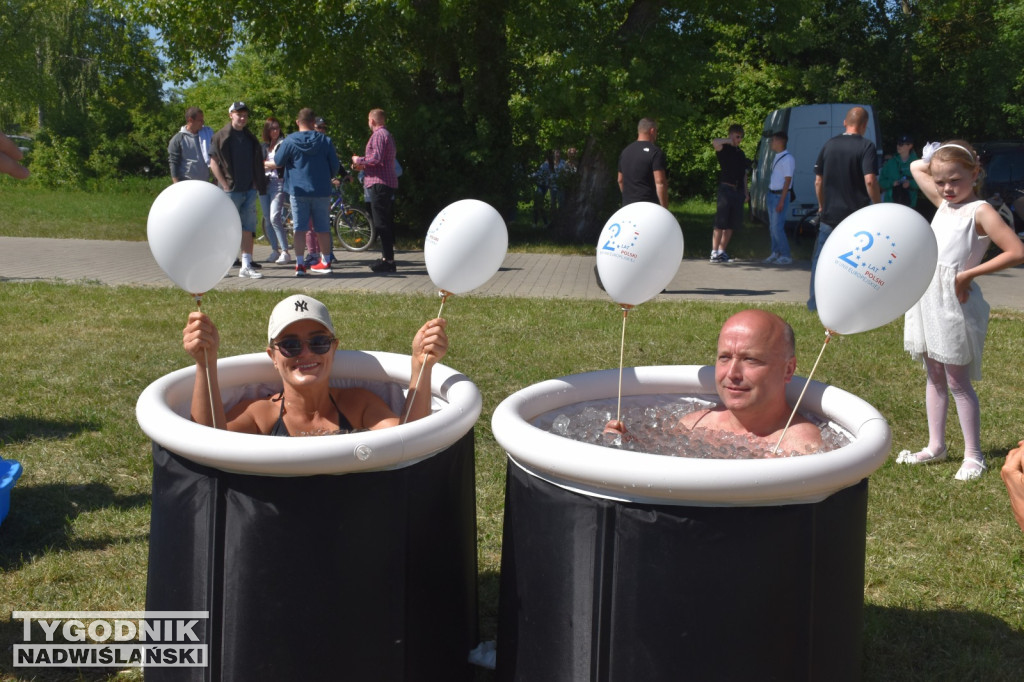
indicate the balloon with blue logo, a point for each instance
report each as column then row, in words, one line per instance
column 638, row 252
column 874, row 267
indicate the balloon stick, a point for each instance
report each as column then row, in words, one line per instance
column 412, row 394
column 206, row 364
column 828, row 337
column 622, row 351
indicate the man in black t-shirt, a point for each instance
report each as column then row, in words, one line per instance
column 733, row 192
column 845, row 180
column 642, row 174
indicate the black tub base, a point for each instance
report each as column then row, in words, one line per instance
column 594, row 589
column 363, row 576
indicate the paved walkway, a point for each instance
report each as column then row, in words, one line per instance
column 526, row 275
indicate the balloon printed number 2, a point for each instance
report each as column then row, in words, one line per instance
column 611, row 244
column 615, row 230
column 862, row 249
column 638, row 252
column 861, row 282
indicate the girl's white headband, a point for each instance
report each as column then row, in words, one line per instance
column 932, row 147
column 969, row 152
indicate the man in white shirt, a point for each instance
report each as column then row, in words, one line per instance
column 783, row 167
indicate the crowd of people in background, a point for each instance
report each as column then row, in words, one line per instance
column 550, row 179
column 281, row 173
column 945, row 330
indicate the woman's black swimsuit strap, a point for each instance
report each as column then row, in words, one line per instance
column 344, row 426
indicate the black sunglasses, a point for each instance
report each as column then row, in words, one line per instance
column 292, row 346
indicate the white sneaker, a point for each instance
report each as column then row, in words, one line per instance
column 784, row 260
column 285, row 258
column 251, row 273
column 272, row 258
column 772, row 258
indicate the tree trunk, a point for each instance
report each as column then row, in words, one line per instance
column 591, row 196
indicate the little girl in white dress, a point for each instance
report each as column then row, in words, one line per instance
column 946, row 328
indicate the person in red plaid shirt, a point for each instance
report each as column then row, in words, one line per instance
column 380, row 182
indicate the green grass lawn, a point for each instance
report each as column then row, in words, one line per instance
column 944, row 573
column 120, row 212
column 944, row 581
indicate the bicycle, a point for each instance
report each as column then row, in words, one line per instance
column 353, row 229
column 806, row 227
column 352, row 226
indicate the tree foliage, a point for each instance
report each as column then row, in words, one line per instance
column 477, row 90
column 84, row 80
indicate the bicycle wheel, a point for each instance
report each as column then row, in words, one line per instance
column 806, row 228
column 286, row 214
column 353, row 228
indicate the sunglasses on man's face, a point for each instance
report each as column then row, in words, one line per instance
column 292, row 345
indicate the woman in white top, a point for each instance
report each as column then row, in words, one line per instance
column 275, row 199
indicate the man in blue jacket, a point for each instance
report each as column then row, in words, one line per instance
column 310, row 162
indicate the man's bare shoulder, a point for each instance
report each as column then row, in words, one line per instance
column 705, row 418
column 803, row 436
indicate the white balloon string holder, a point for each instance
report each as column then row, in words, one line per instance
column 638, row 253
column 193, row 231
column 828, row 337
column 416, row 386
column 622, row 354
column 198, row 298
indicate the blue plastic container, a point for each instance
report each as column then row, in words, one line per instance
column 9, row 473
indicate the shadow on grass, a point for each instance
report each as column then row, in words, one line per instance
column 41, row 517
column 905, row 644
column 20, row 429
column 488, row 583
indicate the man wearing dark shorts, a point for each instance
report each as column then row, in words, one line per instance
column 732, row 191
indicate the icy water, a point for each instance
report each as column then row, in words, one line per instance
column 652, row 421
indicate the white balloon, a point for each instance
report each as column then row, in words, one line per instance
column 194, row 233
column 638, row 252
column 465, row 245
column 875, row 265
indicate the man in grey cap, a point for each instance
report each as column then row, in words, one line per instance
column 236, row 160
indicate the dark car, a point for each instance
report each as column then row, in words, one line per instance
column 24, row 143
column 1004, row 172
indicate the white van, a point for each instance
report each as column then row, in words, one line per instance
column 808, row 127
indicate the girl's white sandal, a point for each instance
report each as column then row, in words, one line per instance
column 924, row 456
column 970, row 469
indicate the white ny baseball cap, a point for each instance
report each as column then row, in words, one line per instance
column 294, row 309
